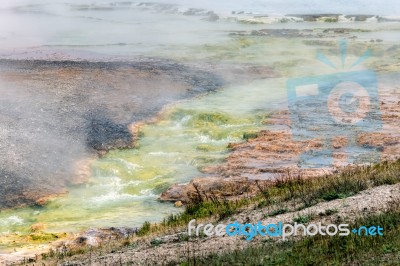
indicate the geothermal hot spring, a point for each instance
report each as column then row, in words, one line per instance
column 187, row 135
column 125, row 184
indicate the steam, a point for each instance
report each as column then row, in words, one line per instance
column 107, row 27
column 38, row 155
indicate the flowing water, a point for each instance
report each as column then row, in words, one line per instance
column 187, row 136
column 125, row 184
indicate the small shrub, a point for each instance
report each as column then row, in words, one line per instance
column 278, row 211
column 156, row 242
column 250, row 135
column 333, row 195
column 144, row 229
column 302, row 219
column 328, row 212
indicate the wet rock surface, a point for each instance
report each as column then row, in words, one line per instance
column 54, row 114
column 201, row 188
column 275, row 153
column 96, row 237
